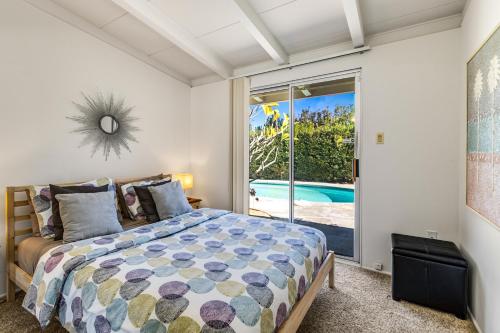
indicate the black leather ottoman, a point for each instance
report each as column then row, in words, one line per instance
column 429, row 272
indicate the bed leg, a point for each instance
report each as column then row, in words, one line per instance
column 331, row 273
column 11, row 290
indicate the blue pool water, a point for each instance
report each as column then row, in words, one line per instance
column 314, row 193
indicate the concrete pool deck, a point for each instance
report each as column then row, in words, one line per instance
column 297, row 182
column 329, row 213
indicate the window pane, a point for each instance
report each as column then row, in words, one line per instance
column 324, row 128
column 269, row 155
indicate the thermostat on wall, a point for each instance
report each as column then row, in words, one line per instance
column 380, row 138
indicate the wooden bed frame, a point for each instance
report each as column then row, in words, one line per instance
column 17, row 277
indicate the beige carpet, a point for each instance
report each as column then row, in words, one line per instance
column 361, row 302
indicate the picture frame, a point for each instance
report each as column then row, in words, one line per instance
column 483, row 130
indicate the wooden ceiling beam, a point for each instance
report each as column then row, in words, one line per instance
column 354, row 21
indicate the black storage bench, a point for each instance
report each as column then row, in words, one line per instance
column 429, row 272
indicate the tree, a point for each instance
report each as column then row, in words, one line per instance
column 265, row 140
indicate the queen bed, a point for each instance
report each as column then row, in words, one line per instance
column 206, row 270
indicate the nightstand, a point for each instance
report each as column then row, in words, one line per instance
column 195, row 203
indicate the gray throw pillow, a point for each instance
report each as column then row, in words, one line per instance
column 87, row 215
column 170, row 200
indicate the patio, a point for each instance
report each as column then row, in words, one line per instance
column 335, row 220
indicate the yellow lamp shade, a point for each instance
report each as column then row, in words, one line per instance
column 186, row 180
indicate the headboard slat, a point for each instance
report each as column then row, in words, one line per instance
column 20, row 218
column 22, row 232
column 21, row 203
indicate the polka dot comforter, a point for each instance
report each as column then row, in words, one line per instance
column 205, row 271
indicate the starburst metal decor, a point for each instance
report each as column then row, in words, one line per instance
column 105, row 123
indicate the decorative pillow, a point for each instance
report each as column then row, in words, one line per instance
column 87, row 215
column 56, row 215
column 121, row 198
column 147, row 202
column 40, row 198
column 131, row 201
column 170, row 200
column 42, row 204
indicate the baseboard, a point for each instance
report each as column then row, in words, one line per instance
column 3, row 297
column 347, row 262
column 376, row 271
column 474, row 322
column 357, row 264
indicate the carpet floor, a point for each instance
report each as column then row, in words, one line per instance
column 360, row 302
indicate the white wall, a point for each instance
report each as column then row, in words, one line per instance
column 480, row 240
column 211, row 144
column 44, row 65
column 409, row 91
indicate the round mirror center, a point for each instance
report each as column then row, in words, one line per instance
column 109, row 125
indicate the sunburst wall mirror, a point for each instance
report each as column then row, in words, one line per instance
column 105, row 123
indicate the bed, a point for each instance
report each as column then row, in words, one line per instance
column 209, row 270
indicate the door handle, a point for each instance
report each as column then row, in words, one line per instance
column 355, row 169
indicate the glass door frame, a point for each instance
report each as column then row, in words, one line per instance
column 356, row 74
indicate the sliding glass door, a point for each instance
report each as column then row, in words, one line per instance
column 303, row 146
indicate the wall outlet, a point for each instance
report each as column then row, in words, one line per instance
column 378, row 266
column 432, row 234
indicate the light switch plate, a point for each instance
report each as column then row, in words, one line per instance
column 380, row 138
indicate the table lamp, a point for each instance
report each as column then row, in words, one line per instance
column 186, row 180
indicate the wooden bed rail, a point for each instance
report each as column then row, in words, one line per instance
column 299, row 310
column 15, row 229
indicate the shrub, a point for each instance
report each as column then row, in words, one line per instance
column 320, row 152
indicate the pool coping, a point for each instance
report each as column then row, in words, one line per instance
column 338, row 185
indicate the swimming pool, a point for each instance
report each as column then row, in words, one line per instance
column 314, row 193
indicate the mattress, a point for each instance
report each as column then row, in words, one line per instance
column 31, row 249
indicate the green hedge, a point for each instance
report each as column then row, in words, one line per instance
column 320, row 153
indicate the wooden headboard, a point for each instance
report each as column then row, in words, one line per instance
column 17, row 198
